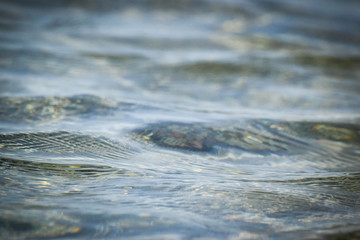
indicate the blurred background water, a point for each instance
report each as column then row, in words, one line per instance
column 202, row 119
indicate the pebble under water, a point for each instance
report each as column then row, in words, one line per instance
column 203, row 119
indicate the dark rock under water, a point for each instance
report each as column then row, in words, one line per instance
column 260, row 136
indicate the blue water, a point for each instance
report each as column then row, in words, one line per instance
column 201, row 119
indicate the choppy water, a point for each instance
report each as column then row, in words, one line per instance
column 203, row 119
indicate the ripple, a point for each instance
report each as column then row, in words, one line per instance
column 61, row 145
column 66, row 170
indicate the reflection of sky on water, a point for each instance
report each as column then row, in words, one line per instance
column 148, row 47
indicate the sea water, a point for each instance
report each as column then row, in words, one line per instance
column 203, row 119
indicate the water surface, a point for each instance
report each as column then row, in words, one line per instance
column 202, row 119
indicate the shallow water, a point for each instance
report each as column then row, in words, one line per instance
column 179, row 120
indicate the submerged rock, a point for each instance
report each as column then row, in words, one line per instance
column 205, row 137
column 340, row 132
column 259, row 136
column 18, row 226
column 35, row 109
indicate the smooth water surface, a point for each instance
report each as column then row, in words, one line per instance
column 202, row 119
